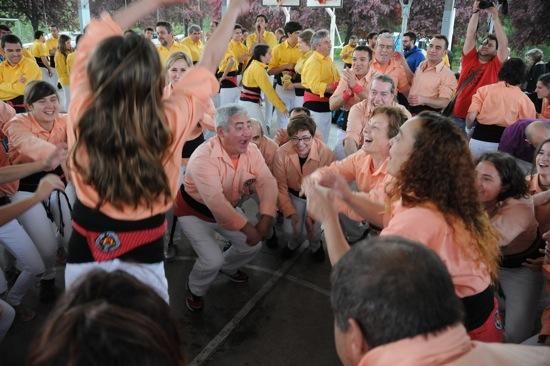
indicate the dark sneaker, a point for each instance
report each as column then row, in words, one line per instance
column 319, row 255
column 272, row 242
column 237, row 277
column 287, row 252
column 47, row 291
column 193, row 302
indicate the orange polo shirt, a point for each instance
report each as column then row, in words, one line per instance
column 433, row 81
column 343, row 86
column 394, row 70
column 501, row 104
column 427, row 225
column 268, row 148
column 31, row 142
column 359, row 116
column 542, row 212
column 212, row 179
column 289, row 173
column 514, row 219
column 187, row 104
column 545, row 320
column 545, row 111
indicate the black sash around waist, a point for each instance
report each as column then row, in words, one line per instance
column 30, row 182
column 487, row 133
column 4, row 201
column 420, row 108
column 191, row 145
column 18, row 103
column 516, row 260
column 196, row 205
column 93, row 220
column 477, row 308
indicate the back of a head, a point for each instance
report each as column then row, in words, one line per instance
column 125, row 123
column 394, row 288
column 109, row 319
column 512, row 71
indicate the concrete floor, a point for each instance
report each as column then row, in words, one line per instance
column 282, row 316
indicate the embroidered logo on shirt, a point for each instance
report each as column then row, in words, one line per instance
column 107, row 241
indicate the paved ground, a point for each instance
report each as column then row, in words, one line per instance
column 281, row 317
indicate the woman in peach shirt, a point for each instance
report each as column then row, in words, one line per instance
column 543, row 92
column 126, row 142
column 296, row 159
column 502, row 189
column 439, row 209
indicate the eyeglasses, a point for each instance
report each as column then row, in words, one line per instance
column 304, row 139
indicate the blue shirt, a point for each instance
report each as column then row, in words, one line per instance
column 414, row 57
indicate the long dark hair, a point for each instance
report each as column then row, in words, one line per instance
column 440, row 171
column 124, row 131
column 514, row 184
column 258, row 51
column 62, row 45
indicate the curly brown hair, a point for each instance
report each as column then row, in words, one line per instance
column 440, row 171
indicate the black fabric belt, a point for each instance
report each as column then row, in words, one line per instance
column 478, row 307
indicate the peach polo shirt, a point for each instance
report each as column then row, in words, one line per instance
column 289, row 173
column 394, row 70
column 433, row 81
column 268, row 148
column 501, row 104
column 6, row 113
column 545, row 111
column 427, row 225
column 514, row 220
column 359, row 116
column 29, row 141
column 542, row 212
column 213, row 180
column 343, row 86
column 182, row 110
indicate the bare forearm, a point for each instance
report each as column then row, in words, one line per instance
column 470, row 40
column 541, row 198
column 369, row 210
column 128, row 16
column 13, row 172
column 217, row 44
column 337, row 245
column 13, row 210
column 470, row 119
column 336, row 101
column 439, row 103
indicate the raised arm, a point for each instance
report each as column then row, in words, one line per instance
column 502, row 52
column 217, row 44
column 470, row 40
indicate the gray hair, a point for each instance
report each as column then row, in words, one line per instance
column 386, row 79
column 385, row 36
column 193, row 28
column 318, row 36
column 536, row 54
column 226, row 112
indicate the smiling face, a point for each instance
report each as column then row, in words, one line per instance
column 380, row 94
column 384, row 50
column 302, row 141
column 401, row 146
column 176, row 70
column 237, row 136
column 375, row 135
column 542, row 160
column 45, row 110
column 488, row 182
column 360, row 63
column 13, row 52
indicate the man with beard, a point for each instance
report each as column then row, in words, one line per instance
column 168, row 45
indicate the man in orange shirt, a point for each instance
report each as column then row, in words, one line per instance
column 361, row 307
column 267, row 146
column 389, row 62
column 219, row 173
column 434, row 83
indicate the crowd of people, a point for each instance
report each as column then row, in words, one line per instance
column 433, row 204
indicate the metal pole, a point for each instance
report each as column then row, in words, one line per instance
column 286, row 10
column 332, row 15
column 448, row 22
column 405, row 12
column 84, row 14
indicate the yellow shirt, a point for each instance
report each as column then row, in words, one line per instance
column 10, row 75
column 165, row 52
column 238, row 51
column 39, row 49
column 269, row 39
column 52, row 43
column 283, row 54
column 318, row 72
column 195, row 48
column 70, row 61
column 300, row 63
column 347, row 49
column 255, row 76
column 61, row 68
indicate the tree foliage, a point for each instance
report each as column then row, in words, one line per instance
column 41, row 13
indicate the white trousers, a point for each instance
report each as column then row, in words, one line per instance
column 229, row 95
column 478, row 148
column 522, row 290
column 16, row 240
column 151, row 274
column 53, row 80
column 295, row 241
column 254, row 110
column 288, row 97
column 211, row 259
column 298, row 101
column 323, row 121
